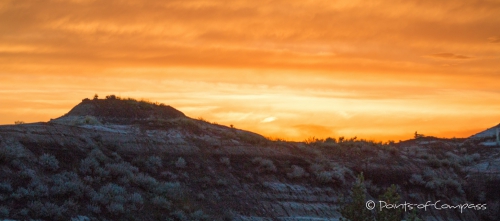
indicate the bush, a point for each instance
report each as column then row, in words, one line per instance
column 469, row 159
column 154, row 163
column 265, row 165
column 123, row 169
column 48, row 162
column 39, row 189
column 136, row 199
column 47, row 209
column 329, row 173
column 145, row 181
column 225, row 161
column 324, row 176
column 29, row 174
column 93, row 208
column 111, row 193
column 23, row 193
column 434, row 162
column 98, row 155
column 88, row 165
column 297, row 172
column 5, row 188
column 115, row 208
column 80, row 218
column 4, row 212
column 67, row 183
column 199, row 215
column 179, row 215
column 10, row 153
column 417, row 179
column 181, row 163
column 161, row 202
column 172, row 190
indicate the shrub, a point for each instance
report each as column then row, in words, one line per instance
column 225, row 161
column 434, row 162
column 88, row 165
column 412, row 216
column 136, row 199
column 39, row 189
column 324, row 176
column 161, row 202
column 221, row 182
column 327, row 174
column 47, row 209
column 434, row 185
column 264, row 164
column 181, row 163
column 94, row 208
column 172, row 190
column 372, row 188
column 5, row 188
column 110, row 193
column 179, row 215
column 316, row 168
column 115, row 208
column 98, row 155
column 67, row 183
column 145, row 181
column 297, row 172
column 111, row 97
column 22, row 192
column 9, row 153
column 154, row 163
column 4, row 212
column 48, row 162
column 417, row 179
column 101, row 174
column 469, row 159
column 71, row 206
column 383, row 155
column 123, row 169
column 199, row 215
column 80, row 218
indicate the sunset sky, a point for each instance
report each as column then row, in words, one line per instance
column 290, row 69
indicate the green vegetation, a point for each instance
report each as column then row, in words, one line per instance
column 355, row 209
column 391, row 196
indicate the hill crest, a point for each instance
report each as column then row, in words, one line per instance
column 114, row 109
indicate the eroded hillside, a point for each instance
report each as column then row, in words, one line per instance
column 119, row 159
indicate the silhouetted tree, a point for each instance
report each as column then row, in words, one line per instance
column 111, row 97
column 412, row 216
column 356, row 210
column 391, row 196
column 417, row 135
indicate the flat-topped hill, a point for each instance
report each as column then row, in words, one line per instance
column 116, row 109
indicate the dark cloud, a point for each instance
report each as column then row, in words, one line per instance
column 494, row 39
column 449, row 56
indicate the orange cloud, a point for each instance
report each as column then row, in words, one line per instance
column 449, row 56
column 355, row 66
